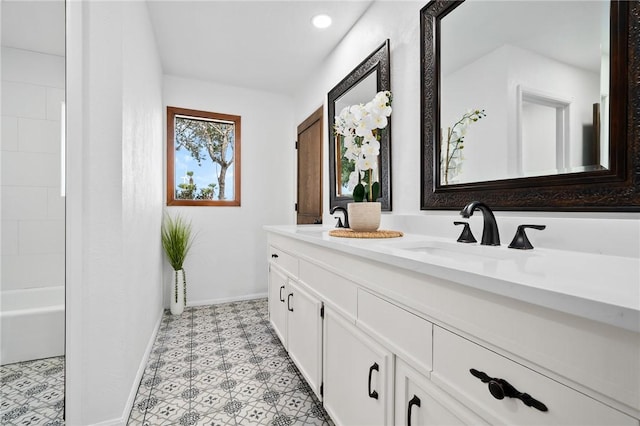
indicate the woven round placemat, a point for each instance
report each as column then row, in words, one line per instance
column 380, row 233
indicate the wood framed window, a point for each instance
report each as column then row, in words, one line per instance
column 203, row 158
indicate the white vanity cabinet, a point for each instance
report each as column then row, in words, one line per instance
column 295, row 315
column 358, row 375
column 397, row 346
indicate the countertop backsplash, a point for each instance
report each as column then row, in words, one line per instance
column 599, row 233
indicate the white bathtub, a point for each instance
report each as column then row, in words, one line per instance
column 31, row 324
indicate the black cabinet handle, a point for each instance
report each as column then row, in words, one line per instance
column 375, row 367
column 289, row 308
column 500, row 388
column 414, row 401
column 281, row 298
column 274, row 256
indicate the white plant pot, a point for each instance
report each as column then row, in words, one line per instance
column 364, row 217
column 178, row 293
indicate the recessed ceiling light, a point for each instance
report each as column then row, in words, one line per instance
column 321, row 21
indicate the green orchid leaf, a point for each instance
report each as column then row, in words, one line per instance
column 358, row 193
column 375, row 191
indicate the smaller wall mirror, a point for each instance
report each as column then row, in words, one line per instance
column 359, row 86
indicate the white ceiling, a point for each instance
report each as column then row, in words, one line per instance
column 271, row 45
column 263, row 44
column 34, row 25
column 266, row 45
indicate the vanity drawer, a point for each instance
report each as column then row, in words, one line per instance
column 333, row 289
column 284, row 260
column 454, row 356
column 409, row 336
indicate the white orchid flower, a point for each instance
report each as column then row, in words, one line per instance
column 353, row 180
column 363, row 130
column 353, row 152
column 360, row 124
column 365, row 163
column 357, row 111
column 345, row 114
column 370, row 139
column 458, row 132
column 348, row 140
column 374, row 143
column 380, row 121
column 381, row 104
column 370, row 150
column 368, row 121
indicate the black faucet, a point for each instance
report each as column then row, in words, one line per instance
column 346, row 217
column 490, row 236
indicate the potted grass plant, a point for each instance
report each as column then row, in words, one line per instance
column 177, row 239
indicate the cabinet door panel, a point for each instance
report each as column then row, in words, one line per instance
column 304, row 335
column 420, row 403
column 277, row 303
column 357, row 374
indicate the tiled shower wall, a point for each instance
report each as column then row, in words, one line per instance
column 32, row 207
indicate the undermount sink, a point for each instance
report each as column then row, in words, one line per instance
column 459, row 251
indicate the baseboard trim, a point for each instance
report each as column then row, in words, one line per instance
column 227, row 299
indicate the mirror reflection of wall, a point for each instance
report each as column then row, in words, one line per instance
column 361, row 93
column 33, row 208
column 526, row 44
column 544, row 140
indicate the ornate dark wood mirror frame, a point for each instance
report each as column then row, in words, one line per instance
column 378, row 61
column 614, row 189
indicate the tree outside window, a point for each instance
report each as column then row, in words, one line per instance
column 203, row 158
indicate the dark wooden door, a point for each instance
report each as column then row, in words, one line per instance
column 310, row 169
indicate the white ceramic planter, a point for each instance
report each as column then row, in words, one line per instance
column 178, row 286
column 364, row 217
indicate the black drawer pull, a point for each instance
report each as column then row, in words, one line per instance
column 274, row 256
column 375, row 367
column 289, row 308
column 281, row 297
column 414, row 401
column 500, row 388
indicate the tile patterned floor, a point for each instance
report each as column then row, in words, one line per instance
column 32, row 392
column 223, row 365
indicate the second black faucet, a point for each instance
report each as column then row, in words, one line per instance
column 490, row 235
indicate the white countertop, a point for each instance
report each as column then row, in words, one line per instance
column 598, row 287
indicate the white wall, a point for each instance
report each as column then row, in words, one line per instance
column 616, row 233
column 32, row 207
column 114, row 259
column 228, row 259
column 399, row 22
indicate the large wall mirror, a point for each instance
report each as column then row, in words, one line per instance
column 531, row 105
column 358, row 87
